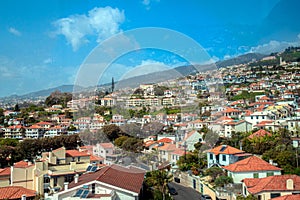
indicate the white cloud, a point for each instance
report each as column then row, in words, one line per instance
column 147, row 3
column 14, row 31
column 102, row 22
column 48, row 61
column 274, row 46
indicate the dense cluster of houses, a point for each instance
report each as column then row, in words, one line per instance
column 90, row 171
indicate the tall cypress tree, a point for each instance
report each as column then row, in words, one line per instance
column 112, row 84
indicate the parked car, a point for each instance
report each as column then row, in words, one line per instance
column 177, row 180
column 172, row 190
column 205, row 197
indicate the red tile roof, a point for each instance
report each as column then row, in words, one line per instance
column 226, row 150
column 259, row 133
column 130, row 178
column 288, row 197
column 165, row 140
column 272, row 183
column 15, row 192
column 23, row 164
column 75, row 153
column 5, row 171
column 107, row 145
column 251, row 164
column 230, row 110
column 96, row 158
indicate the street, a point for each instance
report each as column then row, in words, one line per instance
column 185, row 193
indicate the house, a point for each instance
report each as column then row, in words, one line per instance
column 231, row 112
column 16, row 192
column 231, row 127
column 17, row 132
column 257, row 117
column 272, row 186
column 251, row 167
column 34, row 131
column 259, row 133
column 111, row 182
column 106, row 151
column 224, row 155
column 5, row 177
column 54, row 169
column 192, row 138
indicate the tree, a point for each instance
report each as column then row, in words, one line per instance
column 133, row 145
column 120, row 140
column 159, row 180
column 16, row 108
column 112, row 131
column 112, row 84
column 223, row 180
column 214, row 172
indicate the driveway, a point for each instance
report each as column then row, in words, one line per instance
column 185, row 193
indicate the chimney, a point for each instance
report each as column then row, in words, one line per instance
column 66, row 186
column 271, row 162
column 76, row 178
column 290, row 184
column 23, row 197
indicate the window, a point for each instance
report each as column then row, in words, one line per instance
column 251, row 117
column 255, row 175
column 256, row 117
column 93, row 188
column 263, row 117
column 210, row 156
column 224, row 157
column 106, row 151
column 78, row 159
column 270, row 173
column 273, row 195
column 54, row 181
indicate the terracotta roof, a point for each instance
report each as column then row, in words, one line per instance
column 5, row 171
column 96, row 158
column 259, row 133
column 168, row 147
column 15, row 192
column 229, row 110
column 179, row 152
column 15, row 127
column 165, row 140
column 288, row 197
column 22, row 164
column 128, row 178
column 264, row 98
column 44, row 123
column 251, row 164
column 75, row 153
column 272, row 183
column 107, row 145
column 224, row 118
column 264, row 123
column 225, row 149
column 149, row 143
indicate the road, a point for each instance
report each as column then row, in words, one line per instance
column 185, row 193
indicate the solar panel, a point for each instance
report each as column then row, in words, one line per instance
column 85, row 194
column 223, row 148
column 94, row 169
column 89, row 168
column 79, row 193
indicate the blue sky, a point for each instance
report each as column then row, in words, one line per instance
column 43, row 43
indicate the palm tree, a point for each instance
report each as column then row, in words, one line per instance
column 159, row 179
